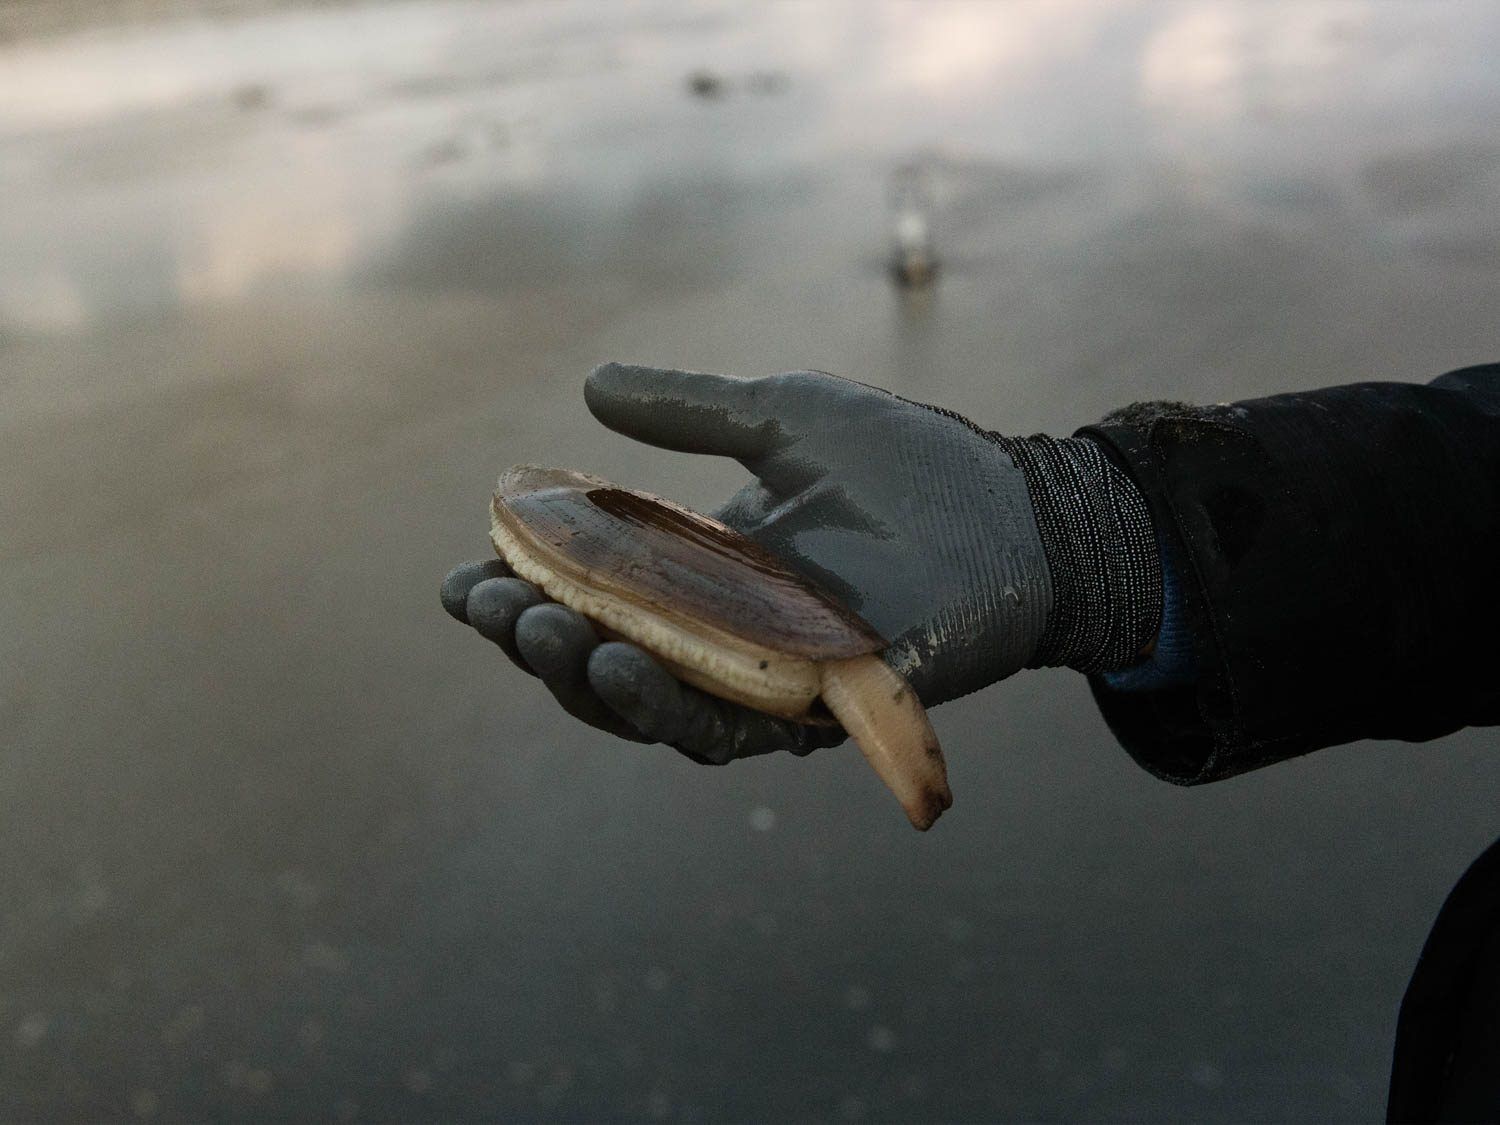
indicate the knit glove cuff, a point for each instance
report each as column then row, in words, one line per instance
column 1101, row 548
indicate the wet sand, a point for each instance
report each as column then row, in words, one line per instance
column 281, row 292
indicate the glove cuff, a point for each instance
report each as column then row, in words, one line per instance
column 1101, row 549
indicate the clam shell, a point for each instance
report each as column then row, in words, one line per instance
column 683, row 566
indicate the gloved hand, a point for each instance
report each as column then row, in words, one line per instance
column 913, row 517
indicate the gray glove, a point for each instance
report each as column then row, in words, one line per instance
column 912, row 516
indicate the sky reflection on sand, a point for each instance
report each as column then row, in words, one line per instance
column 202, row 161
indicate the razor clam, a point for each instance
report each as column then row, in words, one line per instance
column 721, row 613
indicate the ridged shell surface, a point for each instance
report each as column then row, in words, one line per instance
column 683, row 565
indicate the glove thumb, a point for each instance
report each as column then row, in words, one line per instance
column 688, row 411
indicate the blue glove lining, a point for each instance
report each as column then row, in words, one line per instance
column 1174, row 660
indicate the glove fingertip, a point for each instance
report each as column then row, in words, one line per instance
column 555, row 640
column 459, row 581
column 636, row 687
column 494, row 604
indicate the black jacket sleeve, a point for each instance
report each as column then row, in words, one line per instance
column 1339, row 554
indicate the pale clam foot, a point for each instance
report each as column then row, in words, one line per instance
column 885, row 718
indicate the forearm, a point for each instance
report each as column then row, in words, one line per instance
column 1335, row 554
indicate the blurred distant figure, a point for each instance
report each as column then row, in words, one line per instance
column 913, row 259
